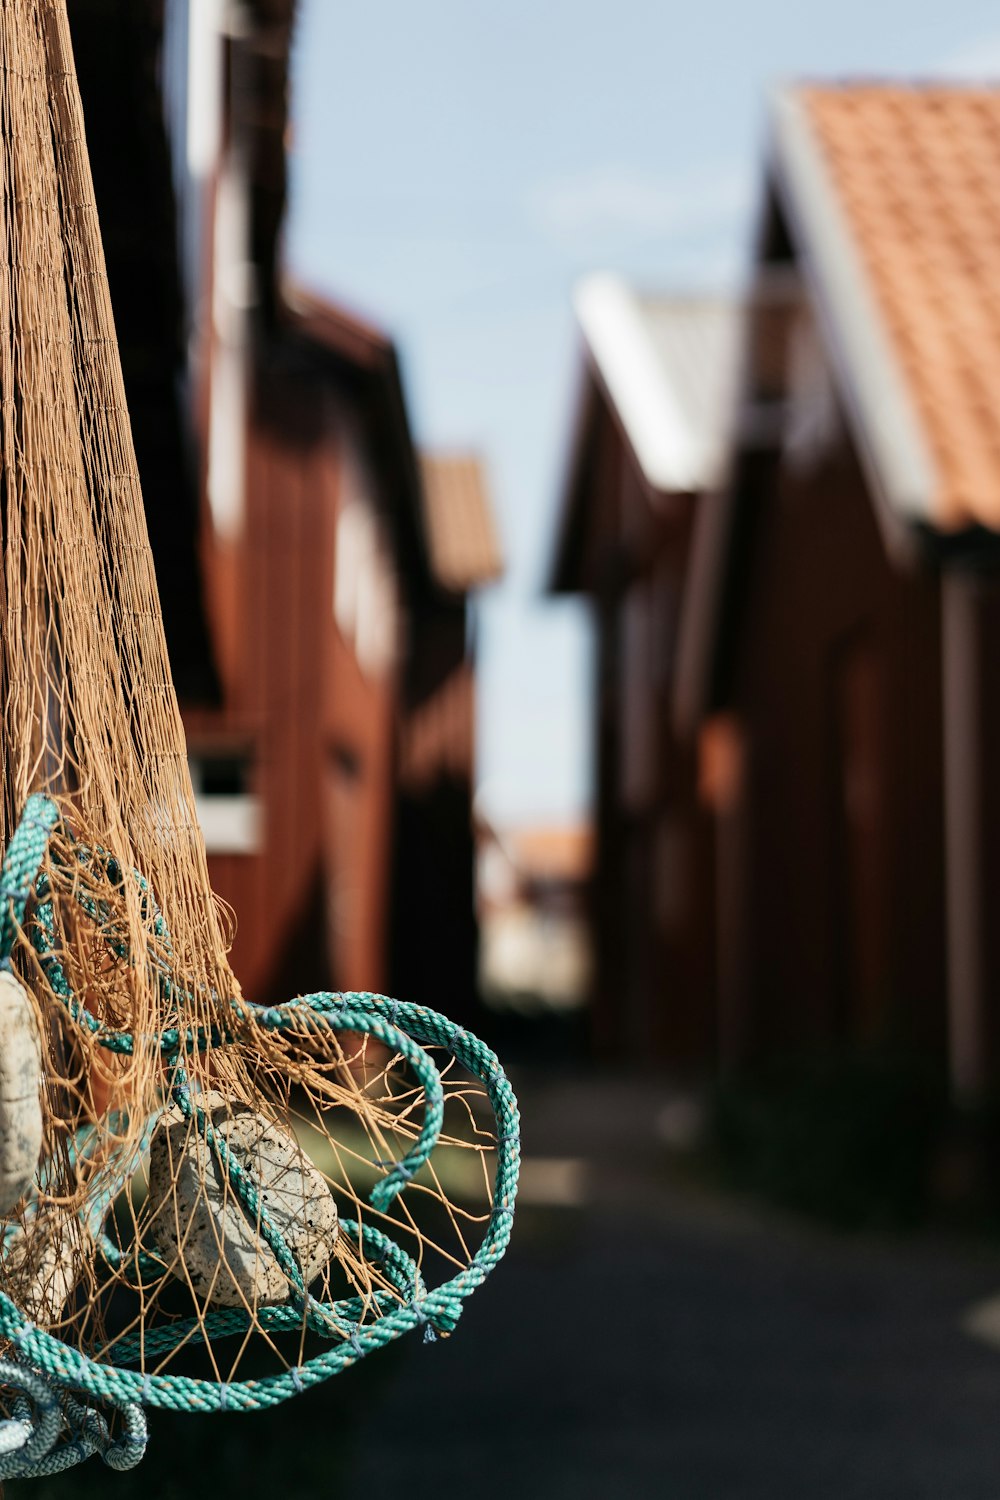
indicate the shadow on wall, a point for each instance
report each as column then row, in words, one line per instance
column 861, row 1141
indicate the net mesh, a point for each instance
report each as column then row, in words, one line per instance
column 193, row 1144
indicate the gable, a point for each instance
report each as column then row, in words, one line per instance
column 893, row 198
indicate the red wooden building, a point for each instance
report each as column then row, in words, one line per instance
column 533, row 904
column 314, row 574
column 840, row 641
column 649, row 443
column 798, row 833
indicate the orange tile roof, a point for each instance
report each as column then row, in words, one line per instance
column 558, row 852
column 917, row 172
column 461, row 536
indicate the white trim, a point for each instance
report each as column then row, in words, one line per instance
column 624, row 353
column 230, row 825
column 232, row 295
column 206, row 20
column 876, row 390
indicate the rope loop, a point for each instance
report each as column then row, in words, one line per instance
column 52, row 1424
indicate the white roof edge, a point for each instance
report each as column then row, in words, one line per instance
column 892, row 440
column 620, row 345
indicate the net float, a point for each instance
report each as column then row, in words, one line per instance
column 20, row 1092
column 199, row 1224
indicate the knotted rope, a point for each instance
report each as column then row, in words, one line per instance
column 50, row 1428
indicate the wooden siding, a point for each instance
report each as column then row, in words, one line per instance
column 651, row 898
column 832, row 891
column 313, row 900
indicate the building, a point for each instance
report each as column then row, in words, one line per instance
column 840, row 639
column 650, row 442
column 534, row 885
column 314, row 575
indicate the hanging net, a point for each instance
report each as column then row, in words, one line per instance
column 205, row 1204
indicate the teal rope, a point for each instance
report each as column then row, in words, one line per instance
column 46, row 1371
column 51, row 1430
column 319, row 1317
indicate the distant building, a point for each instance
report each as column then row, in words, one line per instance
column 650, row 442
column 533, row 887
column 314, row 574
column 840, row 642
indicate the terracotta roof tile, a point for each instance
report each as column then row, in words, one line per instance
column 461, row 535
column 917, row 172
column 559, row 852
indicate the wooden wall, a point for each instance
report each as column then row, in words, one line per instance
column 652, row 906
column 312, row 902
column 831, row 860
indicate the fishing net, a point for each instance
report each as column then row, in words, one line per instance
column 205, row 1203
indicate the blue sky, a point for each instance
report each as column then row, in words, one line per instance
column 456, row 166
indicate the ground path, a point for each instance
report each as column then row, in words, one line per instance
column 644, row 1340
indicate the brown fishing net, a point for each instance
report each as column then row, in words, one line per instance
column 213, row 1179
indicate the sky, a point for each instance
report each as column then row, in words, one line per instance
column 456, row 167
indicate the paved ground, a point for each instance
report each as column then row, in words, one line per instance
column 650, row 1342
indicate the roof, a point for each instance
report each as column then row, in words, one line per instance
column 363, row 358
column 893, row 197
column 552, row 852
column 665, row 368
column 668, row 365
column 458, row 521
column 343, row 333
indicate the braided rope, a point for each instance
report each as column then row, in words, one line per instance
column 46, row 1371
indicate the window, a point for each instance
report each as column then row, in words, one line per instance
column 365, row 604
column 228, row 811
